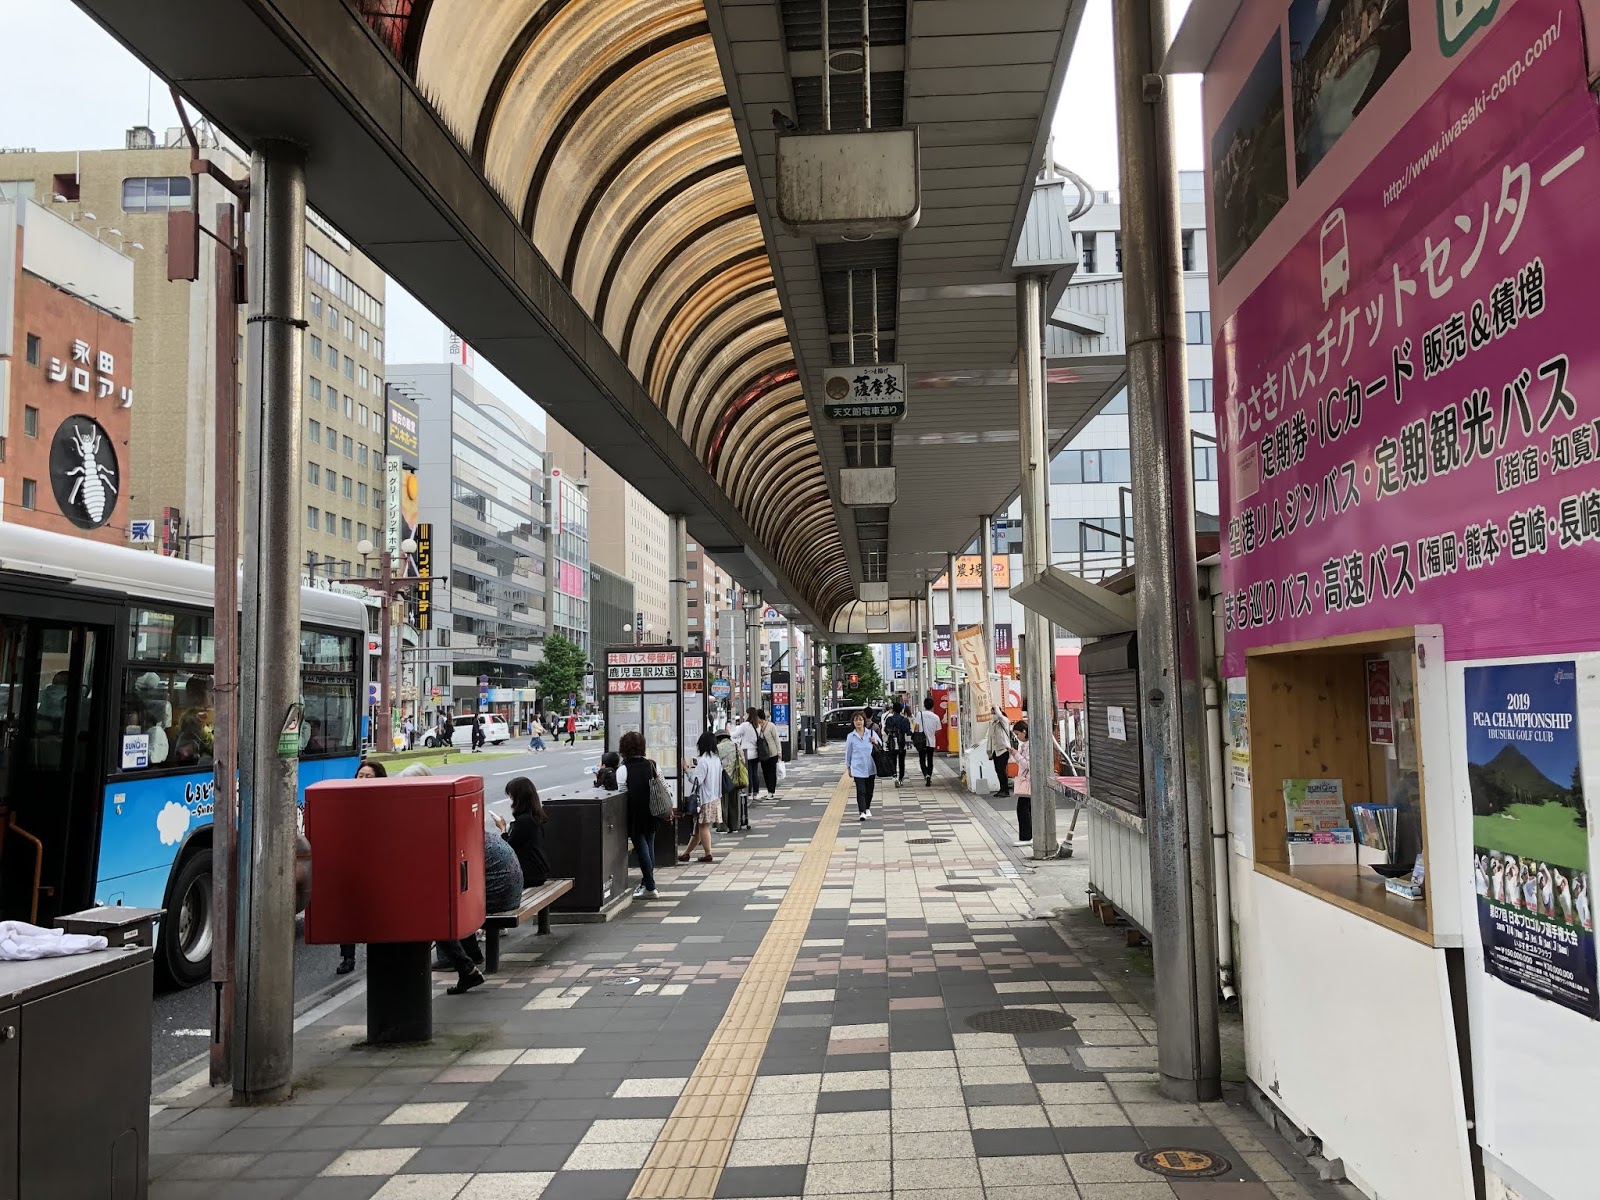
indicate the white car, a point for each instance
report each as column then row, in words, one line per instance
column 495, row 729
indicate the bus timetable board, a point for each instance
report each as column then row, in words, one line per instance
column 644, row 694
column 694, row 698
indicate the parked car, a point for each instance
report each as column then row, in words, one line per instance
column 495, row 731
column 591, row 723
column 837, row 721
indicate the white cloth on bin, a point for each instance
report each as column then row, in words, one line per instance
column 20, row 941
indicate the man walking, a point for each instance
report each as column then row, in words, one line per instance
column 923, row 733
column 898, row 727
column 572, row 728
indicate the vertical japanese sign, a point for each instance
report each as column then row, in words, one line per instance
column 1380, row 703
column 393, row 485
column 425, row 570
column 402, row 435
column 970, row 642
column 1408, row 391
column 1530, row 831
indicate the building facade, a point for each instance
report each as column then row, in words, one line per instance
column 627, row 534
column 67, row 388
column 123, row 197
column 1091, row 514
column 569, row 584
column 481, row 487
column 611, row 609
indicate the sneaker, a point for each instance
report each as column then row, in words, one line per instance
column 1028, row 842
column 638, row 892
column 863, row 816
column 866, row 814
column 652, row 894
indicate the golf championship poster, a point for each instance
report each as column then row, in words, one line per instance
column 1530, row 831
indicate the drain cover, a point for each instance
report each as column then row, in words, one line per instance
column 1184, row 1164
column 926, row 841
column 1018, row 1020
column 963, row 887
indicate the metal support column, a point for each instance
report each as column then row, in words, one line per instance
column 263, row 1001
column 678, row 584
column 954, row 716
column 752, row 649
column 1171, row 708
column 986, row 540
column 225, row 582
column 930, row 676
column 917, row 670
column 1038, row 645
column 816, row 692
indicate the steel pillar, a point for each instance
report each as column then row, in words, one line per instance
column 1035, row 464
column 1171, row 707
column 955, row 658
column 816, row 691
column 915, row 671
column 678, row 594
column 263, row 1001
column 931, row 631
column 225, row 583
column 986, row 549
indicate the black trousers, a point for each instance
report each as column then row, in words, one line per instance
column 925, row 759
column 1024, row 818
column 864, row 788
column 897, row 755
column 1001, row 761
column 769, row 773
column 464, row 955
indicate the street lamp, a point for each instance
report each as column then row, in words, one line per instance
column 389, row 586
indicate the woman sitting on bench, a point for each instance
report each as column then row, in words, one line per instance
column 525, row 834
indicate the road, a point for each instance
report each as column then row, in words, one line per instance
column 181, row 1022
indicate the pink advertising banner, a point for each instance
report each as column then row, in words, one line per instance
column 1410, row 395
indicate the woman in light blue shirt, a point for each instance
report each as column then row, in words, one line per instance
column 858, row 761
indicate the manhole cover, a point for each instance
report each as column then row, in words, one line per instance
column 1184, row 1164
column 1018, row 1020
column 963, row 887
column 926, row 841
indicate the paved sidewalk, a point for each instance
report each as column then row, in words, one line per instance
column 834, row 1008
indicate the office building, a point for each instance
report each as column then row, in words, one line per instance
column 611, row 609
column 1091, row 515
column 481, row 483
column 123, row 197
column 67, row 387
column 627, row 534
column 568, row 578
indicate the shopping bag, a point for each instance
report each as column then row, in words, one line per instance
column 783, row 770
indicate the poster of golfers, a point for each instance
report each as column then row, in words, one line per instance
column 1530, row 831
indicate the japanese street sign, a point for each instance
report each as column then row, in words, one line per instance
column 872, row 392
column 142, row 532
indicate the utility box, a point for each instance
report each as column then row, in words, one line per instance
column 395, row 860
column 860, row 184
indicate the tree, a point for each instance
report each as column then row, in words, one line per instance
column 560, row 673
column 859, row 662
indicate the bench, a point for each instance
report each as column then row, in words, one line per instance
column 534, row 900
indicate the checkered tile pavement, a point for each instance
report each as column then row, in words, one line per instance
column 879, row 1048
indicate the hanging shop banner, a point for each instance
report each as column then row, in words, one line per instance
column 1530, row 831
column 1408, row 386
column 869, row 392
column 970, row 642
column 425, row 570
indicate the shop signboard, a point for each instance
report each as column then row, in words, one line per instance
column 424, row 535
column 970, row 641
column 1530, row 831
column 969, row 573
column 868, row 392
column 1408, row 397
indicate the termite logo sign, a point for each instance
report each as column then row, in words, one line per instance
column 84, row 472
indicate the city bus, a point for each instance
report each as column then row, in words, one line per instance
column 106, row 731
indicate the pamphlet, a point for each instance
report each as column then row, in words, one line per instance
column 1314, row 804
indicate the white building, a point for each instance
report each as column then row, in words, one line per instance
column 1090, row 503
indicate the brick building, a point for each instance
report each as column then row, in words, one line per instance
column 67, row 390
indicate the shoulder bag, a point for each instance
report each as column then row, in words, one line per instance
column 660, row 798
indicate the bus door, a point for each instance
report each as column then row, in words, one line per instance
column 52, row 696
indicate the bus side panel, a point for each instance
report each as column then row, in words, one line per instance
column 145, row 821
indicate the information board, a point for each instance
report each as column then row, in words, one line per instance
column 644, row 694
column 694, row 698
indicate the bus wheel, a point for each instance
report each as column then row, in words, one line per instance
column 183, row 951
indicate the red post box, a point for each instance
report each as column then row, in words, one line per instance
column 395, row 860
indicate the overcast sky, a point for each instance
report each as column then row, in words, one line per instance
column 111, row 90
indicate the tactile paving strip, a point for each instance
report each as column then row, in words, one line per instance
column 689, row 1154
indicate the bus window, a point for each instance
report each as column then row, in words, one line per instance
column 173, row 708
column 171, row 637
column 329, row 686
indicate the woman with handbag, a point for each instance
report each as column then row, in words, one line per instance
column 998, row 745
column 648, row 802
column 733, row 780
column 705, row 793
column 769, row 750
column 1024, row 787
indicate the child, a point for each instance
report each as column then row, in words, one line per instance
column 606, row 777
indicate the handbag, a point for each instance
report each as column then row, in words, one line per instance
column 660, row 798
column 741, row 774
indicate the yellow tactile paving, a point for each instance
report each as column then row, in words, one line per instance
column 687, row 1159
